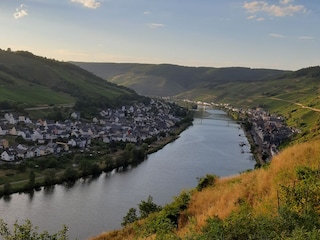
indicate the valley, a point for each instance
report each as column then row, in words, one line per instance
column 38, row 90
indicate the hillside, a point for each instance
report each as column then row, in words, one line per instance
column 29, row 81
column 280, row 201
column 295, row 96
column 171, row 80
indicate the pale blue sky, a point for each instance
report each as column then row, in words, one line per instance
column 281, row 34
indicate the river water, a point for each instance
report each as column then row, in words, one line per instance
column 92, row 206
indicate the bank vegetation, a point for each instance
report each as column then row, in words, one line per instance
column 279, row 201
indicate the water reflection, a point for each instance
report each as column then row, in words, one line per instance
column 49, row 190
column 7, row 198
column 31, row 194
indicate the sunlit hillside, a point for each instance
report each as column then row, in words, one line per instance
column 265, row 191
column 28, row 80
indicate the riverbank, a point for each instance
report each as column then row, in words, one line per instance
column 254, row 148
column 46, row 171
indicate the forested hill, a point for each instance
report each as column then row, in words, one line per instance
column 170, row 80
column 31, row 80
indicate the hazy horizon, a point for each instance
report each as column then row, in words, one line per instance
column 272, row 34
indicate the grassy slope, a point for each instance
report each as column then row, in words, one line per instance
column 259, row 188
column 34, row 80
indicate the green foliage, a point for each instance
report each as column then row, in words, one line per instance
column 130, row 217
column 165, row 221
column 161, row 221
column 7, row 188
column 70, row 175
column 32, row 179
column 49, row 177
column 27, row 231
column 206, row 181
column 147, row 207
column 159, row 224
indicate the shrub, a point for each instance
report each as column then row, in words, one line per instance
column 206, row 181
column 27, row 231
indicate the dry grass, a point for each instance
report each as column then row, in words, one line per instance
column 259, row 188
column 125, row 233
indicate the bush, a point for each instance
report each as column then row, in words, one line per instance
column 206, row 181
column 147, row 207
column 27, row 231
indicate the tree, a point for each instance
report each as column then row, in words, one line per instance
column 95, row 169
column 32, row 179
column 147, row 207
column 7, row 188
column 49, row 176
column 130, row 217
column 27, row 231
column 70, row 175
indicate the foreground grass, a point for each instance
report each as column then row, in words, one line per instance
column 260, row 189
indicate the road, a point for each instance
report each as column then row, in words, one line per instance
column 298, row 104
column 48, row 107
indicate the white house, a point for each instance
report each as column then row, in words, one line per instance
column 3, row 131
column 8, row 155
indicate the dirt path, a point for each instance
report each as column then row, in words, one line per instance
column 298, row 104
column 48, row 107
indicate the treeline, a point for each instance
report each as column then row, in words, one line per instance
column 67, row 168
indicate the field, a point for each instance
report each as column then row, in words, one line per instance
column 34, row 95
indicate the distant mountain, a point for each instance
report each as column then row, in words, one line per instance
column 171, row 80
column 32, row 81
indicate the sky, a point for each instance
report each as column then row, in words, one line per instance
column 277, row 34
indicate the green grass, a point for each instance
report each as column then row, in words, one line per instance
column 33, row 81
column 34, row 95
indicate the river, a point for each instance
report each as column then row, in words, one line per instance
column 91, row 206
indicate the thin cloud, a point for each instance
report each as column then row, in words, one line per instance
column 254, row 17
column 88, row 3
column 284, row 8
column 155, row 25
column 305, row 38
column 284, row 2
column 276, row 35
column 21, row 12
column 147, row 13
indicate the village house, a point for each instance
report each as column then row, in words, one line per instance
column 4, row 143
column 8, row 155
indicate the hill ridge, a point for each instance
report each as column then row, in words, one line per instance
column 30, row 80
column 171, row 80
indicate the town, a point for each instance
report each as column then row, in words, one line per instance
column 132, row 124
column 268, row 131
